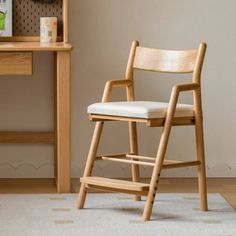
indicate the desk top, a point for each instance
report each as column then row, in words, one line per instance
column 34, row 46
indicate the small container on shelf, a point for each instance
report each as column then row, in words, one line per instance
column 48, row 29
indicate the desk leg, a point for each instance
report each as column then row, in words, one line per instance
column 63, row 122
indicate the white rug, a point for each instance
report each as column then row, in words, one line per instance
column 114, row 214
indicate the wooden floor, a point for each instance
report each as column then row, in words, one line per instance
column 225, row 186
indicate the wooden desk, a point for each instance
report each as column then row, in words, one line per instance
column 16, row 58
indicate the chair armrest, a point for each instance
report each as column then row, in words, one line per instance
column 119, row 83
column 175, row 96
column 114, row 83
column 186, row 87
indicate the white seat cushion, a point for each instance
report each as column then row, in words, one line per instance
column 139, row 109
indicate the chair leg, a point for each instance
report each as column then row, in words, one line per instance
column 134, row 150
column 157, row 171
column 90, row 162
column 201, row 168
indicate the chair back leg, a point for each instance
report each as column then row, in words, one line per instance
column 90, row 161
column 201, row 167
column 134, row 150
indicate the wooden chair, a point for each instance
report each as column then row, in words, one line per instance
column 153, row 114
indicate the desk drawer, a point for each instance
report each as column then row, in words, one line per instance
column 16, row 63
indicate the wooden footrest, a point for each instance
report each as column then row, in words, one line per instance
column 115, row 185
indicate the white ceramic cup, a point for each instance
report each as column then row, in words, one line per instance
column 48, row 29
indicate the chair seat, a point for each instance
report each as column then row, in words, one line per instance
column 139, row 109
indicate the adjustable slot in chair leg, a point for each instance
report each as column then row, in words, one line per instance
column 90, row 162
column 134, row 150
column 201, row 168
column 156, row 173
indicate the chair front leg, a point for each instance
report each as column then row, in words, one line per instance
column 156, row 172
column 161, row 154
column 90, row 162
column 134, row 150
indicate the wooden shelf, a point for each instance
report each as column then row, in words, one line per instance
column 25, row 39
column 34, row 46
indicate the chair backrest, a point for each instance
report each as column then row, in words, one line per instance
column 164, row 60
column 167, row 61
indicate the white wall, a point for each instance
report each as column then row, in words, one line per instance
column 101, row 33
